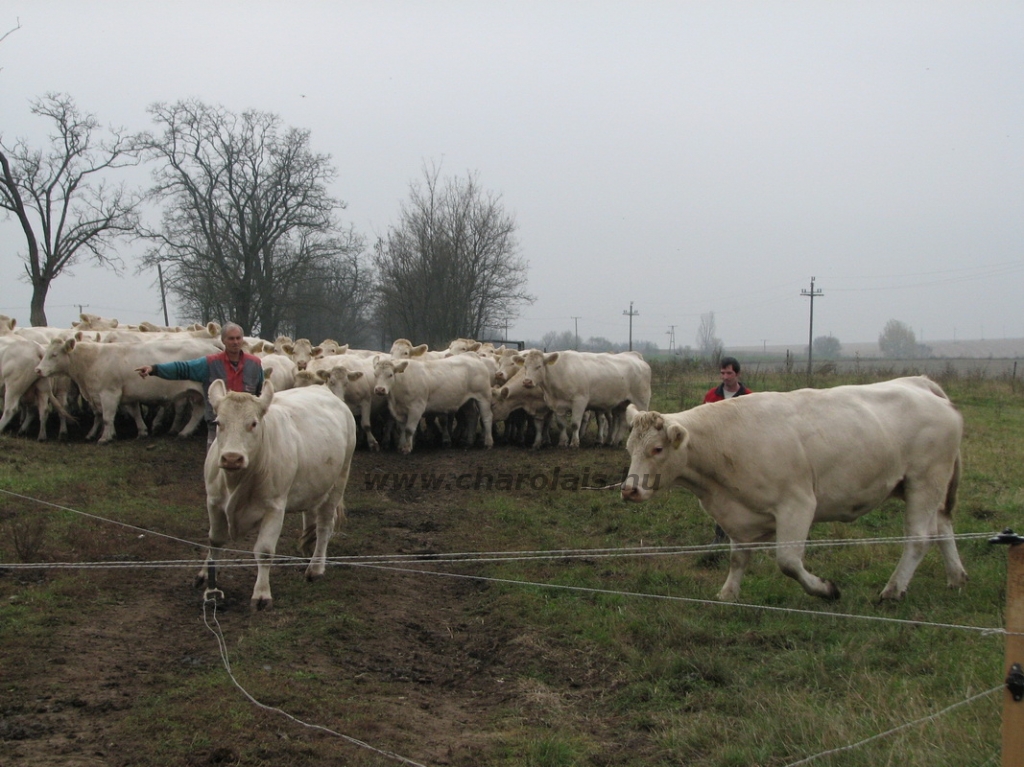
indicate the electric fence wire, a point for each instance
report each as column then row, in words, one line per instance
column 389, row 562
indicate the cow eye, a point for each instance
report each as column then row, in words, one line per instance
column 253, row 424
column 656, row 450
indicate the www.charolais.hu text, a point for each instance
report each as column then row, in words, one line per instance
column 556, row 479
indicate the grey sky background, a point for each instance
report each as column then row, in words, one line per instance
column 688, row 157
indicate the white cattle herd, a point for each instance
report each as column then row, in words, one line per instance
column 766, row 467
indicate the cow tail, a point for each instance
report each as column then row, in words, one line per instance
column 59, row 407
column 954, row 484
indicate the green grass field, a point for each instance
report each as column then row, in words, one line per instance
column 587, row 655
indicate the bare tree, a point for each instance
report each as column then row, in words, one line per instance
column 709, row 345
column 248, row 220
column 60, row 199
column 336, row 302
column 451, row 267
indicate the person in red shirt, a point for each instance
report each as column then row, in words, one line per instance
column 240, row 371
column 731, row 385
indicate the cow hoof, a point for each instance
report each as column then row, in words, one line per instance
column 261, row 604
column 311, row 577
column 891, row 593
column 199, row 582
column 831, row 591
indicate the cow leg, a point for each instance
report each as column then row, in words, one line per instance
column 923, row 524
column 408, row 433
column 738, row 561
column 330, row 511
column 956, row 575
column 792, row 527
column 487, row 419
column 13, row 393
column 540, row 426
column 266, row 543
column 579, row 407
column 109, row 402
column 42, row 406
column 195, row 401
column 366, row 421
column 219, row 535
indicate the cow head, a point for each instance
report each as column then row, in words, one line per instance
column 652, row 443
column 402, row 349
column 534, row 364
column 239, row 424
column 301, row 352
column 384, row 372
column 338, row 379
column 57, row 357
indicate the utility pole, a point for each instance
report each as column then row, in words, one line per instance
column 577, row 321
column 810, row 333
column 163, row 294
column 671, row 333
column 631, row 315
column 80, row 307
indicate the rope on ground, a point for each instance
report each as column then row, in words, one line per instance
column 928, row 718
column 215, row 629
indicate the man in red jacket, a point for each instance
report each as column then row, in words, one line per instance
column 241, row 371
column 731, row 385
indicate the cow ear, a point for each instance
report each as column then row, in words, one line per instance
column 401, row 366
column 551, row 359
column 519, row 360
column 287, row 348
column 216, row 393
column 632, row 411
column 504, row 392
column 355, row 375
column 267, row 395
column 69, row 345
column 418, row 351
column 268, row 370
column 316, row 351
column 324, row 375
column 678, row 436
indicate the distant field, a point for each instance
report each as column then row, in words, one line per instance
column 1006, row 348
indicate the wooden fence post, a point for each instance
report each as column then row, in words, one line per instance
column 1013, row 695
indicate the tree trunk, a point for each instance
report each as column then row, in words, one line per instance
column 37, row 313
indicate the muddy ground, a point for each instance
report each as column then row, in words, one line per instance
column 421, row 667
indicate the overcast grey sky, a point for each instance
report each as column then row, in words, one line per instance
column 684, row 156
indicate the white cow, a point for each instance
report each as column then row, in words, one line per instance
column 573, row 382
column 353, row 381
column 441, row 385
column 276, row 453
column 106, row 377
column 514, row 396
column 770, row 465
column 21, row 383
column 402, row 349
column 301, row 351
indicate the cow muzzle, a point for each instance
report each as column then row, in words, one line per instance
column 232, row 461
column 380, row 391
